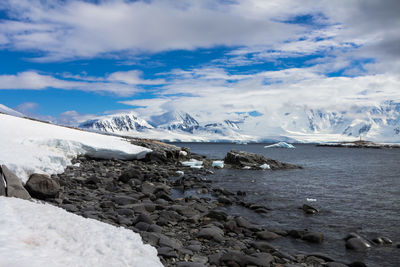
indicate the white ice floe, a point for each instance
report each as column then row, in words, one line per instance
column 311, row 199
column 36, row 235
column 180, row 173
column 193, row 163
column 265, row 166
column 246, row 168
column 218, row 164
column 182, row 153
column 28, row 146
column 280, row 145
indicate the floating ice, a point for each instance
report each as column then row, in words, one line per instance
column 280, row 145
column 265, row 166
column 311, row 199
column 246, row 168
column 193, row 163
column 218, row 164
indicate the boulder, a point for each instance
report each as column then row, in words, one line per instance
column 267, row 235
column 211, row 232
column 309, row 210
column 312, row 237
column 357, row 244
column 130, row 174
column 41, row 186
column 14, row 185
column 2, row 184
column 241, row 159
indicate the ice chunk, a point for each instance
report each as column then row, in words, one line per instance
column 218, row 164
column 196, row 167
column 311, row 199
column 192, row 163
column 280, row 145
column 180, row 173
column 246, row 168
column 182, row 153
column 265, row 166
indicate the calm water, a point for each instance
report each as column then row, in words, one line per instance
column 357, row 190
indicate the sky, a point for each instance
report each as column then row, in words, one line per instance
column 69, row 60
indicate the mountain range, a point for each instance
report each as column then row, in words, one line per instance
column 291, row 123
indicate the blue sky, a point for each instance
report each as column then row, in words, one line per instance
column 69, row 60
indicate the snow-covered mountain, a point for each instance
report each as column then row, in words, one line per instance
column 119, row 123
column 379, row 122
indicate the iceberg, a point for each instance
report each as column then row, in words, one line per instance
column 218, row 164
column 193, row 163
column 265, row 166
column 280, row 145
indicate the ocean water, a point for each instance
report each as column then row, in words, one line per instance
column 356, row 190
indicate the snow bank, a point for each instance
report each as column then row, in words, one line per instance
column 28, row 146
column 37, row 235
column 280, row 145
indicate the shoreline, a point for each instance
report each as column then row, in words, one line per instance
column 148, row 197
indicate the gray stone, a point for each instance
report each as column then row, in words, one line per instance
column 211, row 232
column 169, row 242
column 357, row 244
column 267, row 235
column 14, row 185
column 167, row 252
column 41, row 186
column 260, row 259
column 335, row 264
column 263, row 246
column 2, row 184
column 317, row 238
column 309, row 210
column 123, row 200
column 189, row 264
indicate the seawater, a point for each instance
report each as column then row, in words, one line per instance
column 356, row 190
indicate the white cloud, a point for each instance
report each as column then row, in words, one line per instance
column 81, row 29
column 118, row 83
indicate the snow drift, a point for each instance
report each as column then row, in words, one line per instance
column 37, row 235
column 29, row 146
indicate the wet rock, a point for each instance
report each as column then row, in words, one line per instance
column 241, row 159
column 224, row 201
column 312, row 237
column 357, row 244
column 357, row 264
column 263, row 246
column 382, row 241
column 211, row 232
column 143, row 218
column 169, row 242
column 189, row 264
column 309, row 209
column 124, row 200
column 267, row 235
column 14, row 185
column 297, row 233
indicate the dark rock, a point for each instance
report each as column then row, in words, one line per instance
column 225, row 201
column 169, row 242
column 240, row 159
column 142, row 226
column 143, row 218
column 150, row 238
column 309, row 210
column 297, row 233
column 232, row 226
column 263, row 246
column 41, row 186
column 336, row 264
column 218, row 215
column 357, row 244
column 167, row 252
column 260, row 259
column 130, row 174
column 317, row 238
column 125, row 212
column 267, row 235
column 357, row 264
column 189, row 264
column 155, row 228
column 242, row 222
column 170, row 215
column 382, row 241
column 211, row 232
column 69, row 207
column 14, row 185
column 195, row 248
column 123, row 200
column 148, row 188
column 2, row 184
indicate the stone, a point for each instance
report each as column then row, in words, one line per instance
column 169, row 242
column 267, row 235
column 124, row 200
column 335, row 264
column 312, row 237
column 217, row 215
column 14, row 185
column 357, row 244
column 263, row 246
column 2, row 184
column 260, row 259
column 167, row 252
column 143, row 218
column 189, row 264
column 309, row 210
column 357, row 264
column 41, row 186
column 212, row 232
column 130, row 174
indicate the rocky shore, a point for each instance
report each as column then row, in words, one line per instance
column 179, row 210
column 359, row 144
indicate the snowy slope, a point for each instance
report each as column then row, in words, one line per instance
column 29, row 146
column 37, row 235
column 7, row 110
